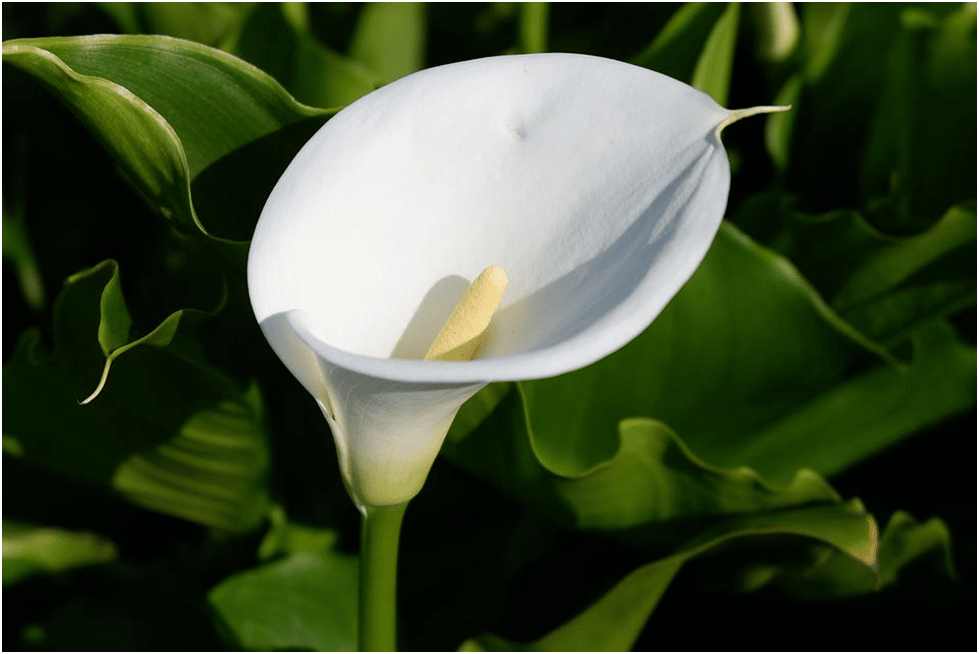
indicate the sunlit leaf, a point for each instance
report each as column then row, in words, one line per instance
column 713, row 71
column 166, row 109
column 652, row 478
column 776, row 30
column 30, row 549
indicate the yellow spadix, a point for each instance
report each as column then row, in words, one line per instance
column 464, row 330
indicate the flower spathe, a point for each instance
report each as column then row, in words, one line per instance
column 597, row 186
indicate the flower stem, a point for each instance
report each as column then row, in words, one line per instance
column 379, row 533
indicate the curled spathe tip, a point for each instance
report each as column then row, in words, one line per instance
column 738, row 114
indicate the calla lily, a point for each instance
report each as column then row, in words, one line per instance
column 597, row 186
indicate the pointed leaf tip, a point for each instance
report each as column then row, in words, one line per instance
column 98, row 389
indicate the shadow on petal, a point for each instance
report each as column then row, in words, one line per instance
column 431, row 314
column 659, row 244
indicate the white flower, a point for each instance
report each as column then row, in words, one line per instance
column 596, row 185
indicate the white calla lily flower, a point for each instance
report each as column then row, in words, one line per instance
column 597, row 186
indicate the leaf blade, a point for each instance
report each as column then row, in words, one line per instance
column 163, row 125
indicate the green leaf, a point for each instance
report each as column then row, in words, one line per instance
column 873, row 410
column 925, row 119
column 115, row 322
column 713, row 71
column 307, row 601
column 277, row 39
column 878, row 136
column 167, row 110
column 17, row 247
column 835, row 100
column 678, row 46
column 654, row 478
column 30, row 550
column 209, row 23
column 167, row 431
column 125, row 15
column 212, row 472
column 913, row 280
column 904, row 542
column 142, row 140
column 654, row 493
column 285, row 537
column 884, row 285
column 775, row 30
column 614, row 622
column 390, row 39
column 823, row 31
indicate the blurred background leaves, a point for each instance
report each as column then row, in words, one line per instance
column 708, row 468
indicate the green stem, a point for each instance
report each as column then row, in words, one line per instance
column 379, row 532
